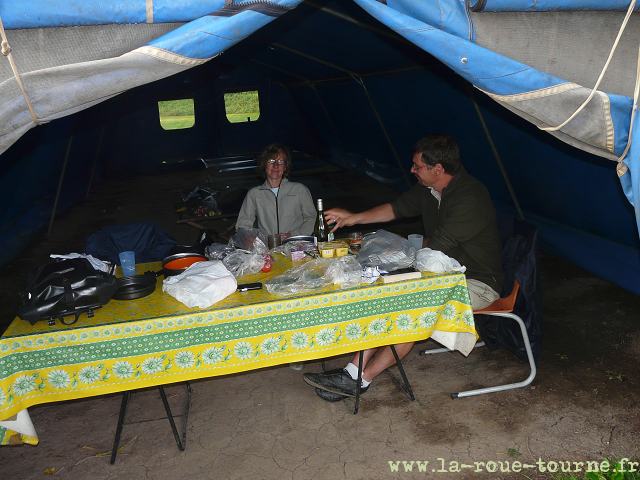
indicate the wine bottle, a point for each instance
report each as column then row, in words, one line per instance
column 321, row 229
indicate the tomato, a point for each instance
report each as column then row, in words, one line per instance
column 268, row 263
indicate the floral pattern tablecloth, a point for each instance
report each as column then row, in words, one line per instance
column 157, row 340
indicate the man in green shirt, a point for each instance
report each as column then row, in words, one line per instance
column 459, row 219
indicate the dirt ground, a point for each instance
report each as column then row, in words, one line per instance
column 269, row 424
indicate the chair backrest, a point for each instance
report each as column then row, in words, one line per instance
column 503, row 305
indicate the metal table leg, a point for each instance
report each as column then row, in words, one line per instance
column 180, row 441
column 123, row 410
column 406, row 388
column 359, row 385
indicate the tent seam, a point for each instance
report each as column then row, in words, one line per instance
column 579, row 140
column 167, row 56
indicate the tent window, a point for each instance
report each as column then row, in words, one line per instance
column 177, row 114
column 242, row 106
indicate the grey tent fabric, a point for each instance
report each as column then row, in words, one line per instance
column 569, row 45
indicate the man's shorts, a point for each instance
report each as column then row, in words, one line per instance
column 482, row 295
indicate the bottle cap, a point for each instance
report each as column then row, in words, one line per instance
column 319, row 203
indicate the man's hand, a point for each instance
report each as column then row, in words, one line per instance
column 284, row 236
column 344, row 218
column 341, row 218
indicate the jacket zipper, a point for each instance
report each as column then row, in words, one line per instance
column 277, row 215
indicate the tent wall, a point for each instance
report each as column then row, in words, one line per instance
column 30, row 174
column 574, row 197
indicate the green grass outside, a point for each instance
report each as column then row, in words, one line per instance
column 177, row 122
column 242, row 117
column 176, row 108
column 177, row 114
column 241, row 102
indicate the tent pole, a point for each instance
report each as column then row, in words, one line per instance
column 302, row 117
column 64, row 167
column 368, row 74
column 361, row 82
column 326, row 114
column 310, row 57
column 495, row 153
column 350, row 19
column 304, row 80
column 384, row 130
column 95, row 161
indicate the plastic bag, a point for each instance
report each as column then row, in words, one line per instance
column 201, row 285
column 95, row 263
column 249, row 239
column 386, row 250
column 435, row 261
column 295, row 249
column 315, row 275
column 218, row 251
column 241, row 263
column 305, row 278
column 344, row 271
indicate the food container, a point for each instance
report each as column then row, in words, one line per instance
column 177, row 263
column 337, row 248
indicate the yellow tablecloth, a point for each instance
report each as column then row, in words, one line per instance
column 157, row 340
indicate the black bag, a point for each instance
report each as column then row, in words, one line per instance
column 62, row 288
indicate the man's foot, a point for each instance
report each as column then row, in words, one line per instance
column 340, row 383
column 329, row 396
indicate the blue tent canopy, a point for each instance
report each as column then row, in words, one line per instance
column 536, row 58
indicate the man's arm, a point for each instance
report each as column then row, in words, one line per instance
column 344, row 218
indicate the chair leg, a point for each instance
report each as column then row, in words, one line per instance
column 431, row 351
column 532, row 363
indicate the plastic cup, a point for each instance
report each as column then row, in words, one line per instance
column 128, row 262
column 415, row 240
column 355, row 240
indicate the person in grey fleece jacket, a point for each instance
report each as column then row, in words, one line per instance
column 279, row 206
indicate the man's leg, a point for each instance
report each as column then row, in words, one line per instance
column 366, row 357
column 384, row 359
column 345, row 383
column 481, row 294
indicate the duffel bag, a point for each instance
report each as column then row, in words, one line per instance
column 62, row 288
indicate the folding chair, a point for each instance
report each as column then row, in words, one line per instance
column 503, row 307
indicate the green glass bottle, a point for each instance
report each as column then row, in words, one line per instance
column 321, row 229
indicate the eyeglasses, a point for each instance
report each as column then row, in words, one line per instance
column 279, row 161
column 418, row 167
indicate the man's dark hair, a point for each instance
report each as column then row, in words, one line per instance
column 439, row 148
column 270, row 152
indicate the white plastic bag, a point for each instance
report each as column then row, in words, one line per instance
column 317, row 274
column 305, row 278
column 241, row 263
column 344, row 271
column 201, row 285
column 249, row 239
column 435, row 261
column 386, row 250
column 96, row 263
